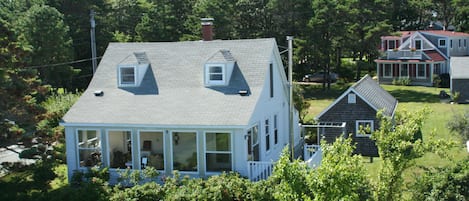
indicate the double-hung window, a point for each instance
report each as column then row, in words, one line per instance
column 127, row 76
column 418, row 44
column 364, row 128
column 404, row 70
column 89, row 148
column 218, row 154
column 215, row 74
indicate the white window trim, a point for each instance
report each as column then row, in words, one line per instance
column 140, row 148
column 108, row 154
column 439, row 43
column 275, row 126
column 424, row 70
column 384, row 71
column 357, row 122
column 209, row 82
column 219, row 152
column 171, row 150
column 100, row 148
column 120, row 76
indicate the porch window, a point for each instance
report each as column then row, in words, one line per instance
column 387, row 71
column 89, row 148
column 418, row 44
column 404, row 70
column 120, row 149
column 184, row 151
column 364, row 128
column 218, row 151
column 152, row 149
column 421, row 71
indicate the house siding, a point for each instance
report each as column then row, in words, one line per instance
column 349, row 113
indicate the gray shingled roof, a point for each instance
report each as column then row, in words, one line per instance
column 172, row 91
column 459, row 67
column 370, row 91
column 376, row 96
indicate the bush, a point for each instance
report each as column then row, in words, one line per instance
column 402, row 81
column 450, row 183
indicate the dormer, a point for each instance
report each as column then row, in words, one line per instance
column 130, row 74
column 218, row 69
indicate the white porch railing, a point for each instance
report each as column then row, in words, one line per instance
column 260, row 170
column 404, row 54
column 313, row 155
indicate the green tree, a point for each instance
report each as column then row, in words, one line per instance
column 43, row 30
column 341, row 175
column 20, row 89
column 459, row 124
column 399, row 144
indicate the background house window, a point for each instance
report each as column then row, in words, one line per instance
column 184, row 154
column 267, row 135
column 421, row 71
column 387, row 71
column 364, row 128
column 391, row 44
column 120, row 149
column 127, row 76
column 441, row 43
column 418, row 44
column 89, row 148
column 218, row 152
column 404, row 70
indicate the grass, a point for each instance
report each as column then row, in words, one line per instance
column 411, row 98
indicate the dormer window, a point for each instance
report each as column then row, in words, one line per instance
column 127, row 76
column 218, row 69
column 215, row 75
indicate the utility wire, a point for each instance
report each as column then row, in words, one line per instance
column 60, row 64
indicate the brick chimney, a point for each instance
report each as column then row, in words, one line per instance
column 207, row 29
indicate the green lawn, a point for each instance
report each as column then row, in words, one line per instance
column 411, row 98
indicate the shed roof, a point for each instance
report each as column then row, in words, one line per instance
column 373, row 94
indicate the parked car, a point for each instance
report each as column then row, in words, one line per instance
column 319, row 77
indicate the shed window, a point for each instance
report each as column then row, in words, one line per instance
column 364, row 128
column 352, row 98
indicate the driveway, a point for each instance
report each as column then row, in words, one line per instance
column 11, row 154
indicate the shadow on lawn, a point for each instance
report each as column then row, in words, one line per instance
column 404, row 95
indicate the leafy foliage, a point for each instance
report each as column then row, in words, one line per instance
column 450, row 183
column 460, row 124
